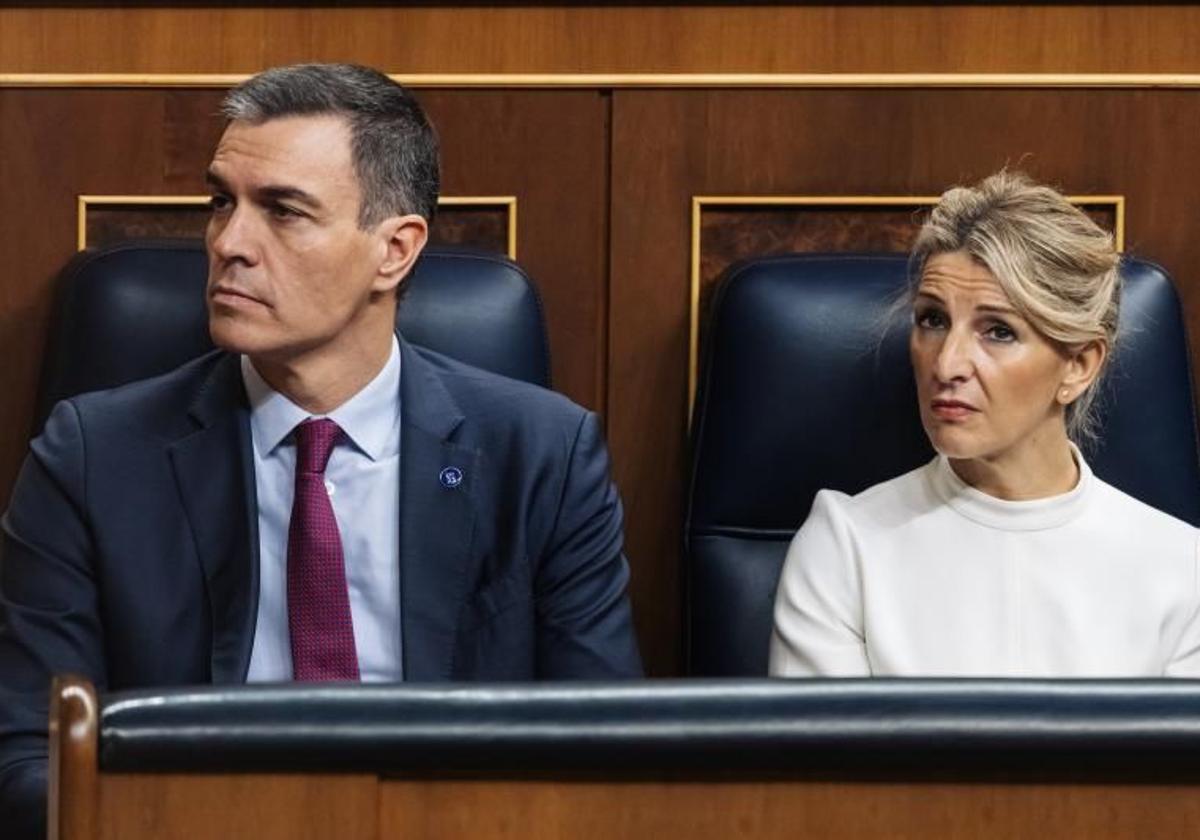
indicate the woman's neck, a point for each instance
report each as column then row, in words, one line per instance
column 1040, row 466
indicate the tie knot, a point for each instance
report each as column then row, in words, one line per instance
column 315, row 439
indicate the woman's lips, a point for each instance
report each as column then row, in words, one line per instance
column 952, row 409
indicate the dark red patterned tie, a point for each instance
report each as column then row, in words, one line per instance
column 319, row 621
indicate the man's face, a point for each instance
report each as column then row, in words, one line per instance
column 290, row 271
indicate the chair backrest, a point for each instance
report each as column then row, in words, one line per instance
column 807, row 385
column 137, row 309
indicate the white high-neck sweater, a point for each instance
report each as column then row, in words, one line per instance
column 924, row 575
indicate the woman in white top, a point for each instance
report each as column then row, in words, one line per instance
column 1004, row 556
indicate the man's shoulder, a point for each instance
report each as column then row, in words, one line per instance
column 491, row 400
column 157, row 403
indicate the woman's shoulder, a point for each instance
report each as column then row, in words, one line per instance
column 901, row 497
column 1114, row 508
column 840, row 525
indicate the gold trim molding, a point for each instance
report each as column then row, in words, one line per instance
column 643, row 80
column 83, row 202
column 699, row 202
column 508, row 202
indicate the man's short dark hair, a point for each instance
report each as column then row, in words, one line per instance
column 393, row 145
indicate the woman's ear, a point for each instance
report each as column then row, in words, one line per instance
column 1083, row 366
column 402, row 238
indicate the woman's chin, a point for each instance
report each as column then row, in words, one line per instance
column 955, row 443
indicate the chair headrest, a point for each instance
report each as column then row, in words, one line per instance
column 137, row 309
column 808, row 385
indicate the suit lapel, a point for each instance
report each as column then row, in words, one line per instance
column 214, row 472
column 437, row 519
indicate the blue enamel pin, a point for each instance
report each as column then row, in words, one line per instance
column 451, row 477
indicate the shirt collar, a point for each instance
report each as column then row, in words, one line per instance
column 368, row 419
column 1027, row 515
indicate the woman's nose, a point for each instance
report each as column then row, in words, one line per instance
column 953, row 360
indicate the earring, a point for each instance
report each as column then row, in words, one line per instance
column 1064, row 394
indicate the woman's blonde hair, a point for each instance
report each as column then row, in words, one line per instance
column 1058, row 268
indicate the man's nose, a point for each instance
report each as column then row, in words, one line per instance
column 953, row 362
column 231, row 236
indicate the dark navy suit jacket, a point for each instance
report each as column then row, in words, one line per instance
column 131, row 547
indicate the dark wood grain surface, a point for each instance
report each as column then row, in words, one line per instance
column 624, row 38
column 784, row 810
column 480, row 227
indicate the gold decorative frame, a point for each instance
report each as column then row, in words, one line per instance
column 644, row 80
column 83, row 202
column 699, row 202
column 509, row 202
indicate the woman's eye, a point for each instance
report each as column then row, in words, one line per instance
column 1000, row 332
column 930, row 319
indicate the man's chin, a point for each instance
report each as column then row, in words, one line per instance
column 228, row 334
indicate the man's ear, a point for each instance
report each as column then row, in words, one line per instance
column 402, row 239
column 1083, row 366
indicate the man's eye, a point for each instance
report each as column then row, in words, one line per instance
column 219, row 202
column 929, row 319
column 283, row 212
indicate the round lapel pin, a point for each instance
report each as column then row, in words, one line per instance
column 451, row 477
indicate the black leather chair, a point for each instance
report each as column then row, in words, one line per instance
column 137, row 309
column 806, row 385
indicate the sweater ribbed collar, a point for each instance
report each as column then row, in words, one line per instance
column 1031, row 515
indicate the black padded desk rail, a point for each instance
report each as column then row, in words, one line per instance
column 1139, row 730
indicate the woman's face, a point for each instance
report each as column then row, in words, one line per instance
column 987, row 382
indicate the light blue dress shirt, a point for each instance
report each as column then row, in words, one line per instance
column 363, row 481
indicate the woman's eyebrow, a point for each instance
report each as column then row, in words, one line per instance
column 997, row 309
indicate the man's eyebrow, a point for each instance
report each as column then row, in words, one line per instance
column 270, row 192
column 280, row 192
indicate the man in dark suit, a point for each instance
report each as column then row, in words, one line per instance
column 236, row 519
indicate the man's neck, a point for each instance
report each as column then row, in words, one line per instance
column 320, row 382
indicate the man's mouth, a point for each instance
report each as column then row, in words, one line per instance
column 233, row 296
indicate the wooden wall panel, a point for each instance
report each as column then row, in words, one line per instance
column 777, row 810
column 669, row 146
column 54, row 146
column 179, row 806
column 58, row 144
column 484, row 227
column 550, row 150
column 621, row 38
column 731, row 231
